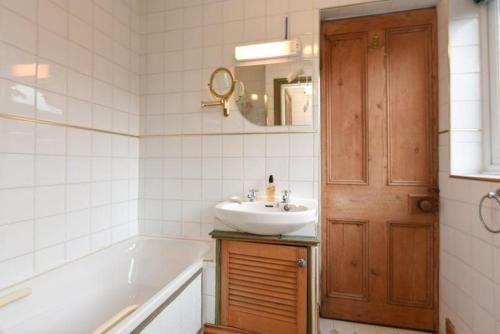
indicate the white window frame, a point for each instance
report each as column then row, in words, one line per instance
column 490, row 66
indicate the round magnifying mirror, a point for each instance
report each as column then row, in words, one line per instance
column 222, row 83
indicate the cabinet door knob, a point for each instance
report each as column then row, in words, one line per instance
column 301, row 263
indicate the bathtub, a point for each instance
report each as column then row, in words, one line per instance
column 153, row 283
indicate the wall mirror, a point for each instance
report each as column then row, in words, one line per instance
column 221, row 86
column 275, row 94
column 221, row 83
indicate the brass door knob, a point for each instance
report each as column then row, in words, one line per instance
column 426, row 205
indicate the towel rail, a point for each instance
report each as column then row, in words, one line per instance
column 494, row 196
column 14, row 296
column 111, row 322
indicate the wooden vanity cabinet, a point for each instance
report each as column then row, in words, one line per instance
column 264, row 287
column 214, row 329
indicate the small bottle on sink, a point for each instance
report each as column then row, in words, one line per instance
column 270, row 189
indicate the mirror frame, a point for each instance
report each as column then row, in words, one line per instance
column 222, row 99
column 233, row 83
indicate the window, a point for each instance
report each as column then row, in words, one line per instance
column 492, row 109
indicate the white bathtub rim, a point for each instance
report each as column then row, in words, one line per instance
column 132, row 321
column 19, row 284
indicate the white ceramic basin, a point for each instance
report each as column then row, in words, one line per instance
column 265, row 218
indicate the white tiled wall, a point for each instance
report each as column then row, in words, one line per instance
column 65, row 192
column 469, row 255
column 469, row 275
column 182, row 177
column 465, row 87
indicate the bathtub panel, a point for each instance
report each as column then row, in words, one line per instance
column 182, row 316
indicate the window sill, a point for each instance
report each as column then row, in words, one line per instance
column 477, row 177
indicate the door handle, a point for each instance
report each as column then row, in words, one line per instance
column 419, row 204
column 425, row 205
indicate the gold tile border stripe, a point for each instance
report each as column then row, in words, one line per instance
column 229, row 134
column 64, row 125
column 465, row 130
column 458, row 130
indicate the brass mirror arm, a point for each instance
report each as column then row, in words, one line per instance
column 222, row 102
column 225, row 106
column 212, row 103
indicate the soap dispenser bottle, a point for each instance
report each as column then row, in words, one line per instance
column 270, row 189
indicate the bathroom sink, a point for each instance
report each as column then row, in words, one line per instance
column 265, row 218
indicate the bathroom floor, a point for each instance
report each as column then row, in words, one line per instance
column 328, row 326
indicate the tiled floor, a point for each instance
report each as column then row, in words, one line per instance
column 328, row 326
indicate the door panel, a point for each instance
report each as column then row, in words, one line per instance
column 379, row 158
column 349, row 246
column 410, row 264
column 348, row 59
column 409, row 92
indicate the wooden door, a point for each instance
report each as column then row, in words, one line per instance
column 263, row 289
column 379, row 170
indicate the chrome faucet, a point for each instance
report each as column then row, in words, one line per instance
column 252, row 195
column 286, row 199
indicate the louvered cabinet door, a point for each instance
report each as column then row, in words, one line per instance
column 263, row 287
